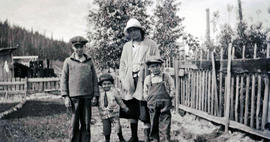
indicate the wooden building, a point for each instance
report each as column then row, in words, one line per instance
column 25, row 60
column 6, row 63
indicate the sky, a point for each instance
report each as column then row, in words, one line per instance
column 194, row 11
column 63, row 19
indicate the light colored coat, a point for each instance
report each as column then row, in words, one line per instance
column 114, row 104
column 149, row 48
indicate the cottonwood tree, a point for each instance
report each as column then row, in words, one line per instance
column 168, row 27
column 107, row 28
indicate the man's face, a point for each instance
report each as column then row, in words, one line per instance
column 106, row 85
column 78, row 49
column 155, row 68
column 135, row 34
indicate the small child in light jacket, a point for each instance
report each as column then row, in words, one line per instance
column 109, row 106
column 159, row 92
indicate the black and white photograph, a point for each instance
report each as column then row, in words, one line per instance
column 134, row 71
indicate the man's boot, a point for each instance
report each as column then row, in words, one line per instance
column 147, row 134
column 134, row 135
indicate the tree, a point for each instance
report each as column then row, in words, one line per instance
column 4, row 27
column 108, row 23
column 168, row 27
column 249, row 36
column 245, row 35
column 225, row 38
column 32, row 43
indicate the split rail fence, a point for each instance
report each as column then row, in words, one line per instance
column 29, row 85
column 231, row 92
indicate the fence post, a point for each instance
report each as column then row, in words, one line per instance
column 253, row 92
column 268, row 56
column 214, row 85
column 228, row 89
column 177, row 84
column 221, row 82
column 26, row 85
column 242, row 90
column 265, row 100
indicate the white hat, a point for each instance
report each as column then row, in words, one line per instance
column 133, row 23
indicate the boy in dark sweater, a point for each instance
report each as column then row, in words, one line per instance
column 79, row 87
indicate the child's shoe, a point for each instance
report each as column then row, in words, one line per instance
column 121, row 138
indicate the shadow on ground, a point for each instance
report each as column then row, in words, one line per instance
column 6, row 106
column 34, row 108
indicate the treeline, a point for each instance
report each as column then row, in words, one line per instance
column 32, row 43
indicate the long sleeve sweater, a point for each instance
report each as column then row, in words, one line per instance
column 79, row 79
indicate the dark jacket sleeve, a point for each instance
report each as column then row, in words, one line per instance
column 64, row 79
column 95, row 81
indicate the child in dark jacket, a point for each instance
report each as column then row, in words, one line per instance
column 79, row 86
column 109, row 106
column 159, row 91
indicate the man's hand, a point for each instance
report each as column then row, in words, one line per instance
column 94, row 101
column 68, row 102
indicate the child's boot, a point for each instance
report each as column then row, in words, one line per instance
column 107, row 138
column 147, row 134
column 121, row 138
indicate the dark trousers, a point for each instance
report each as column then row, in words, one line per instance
column 107, row 125
column 80, row 121
column 160, row 118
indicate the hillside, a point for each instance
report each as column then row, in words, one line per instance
column 32, row 43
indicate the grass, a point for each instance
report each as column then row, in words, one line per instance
column 42, row 119
column 46, row 119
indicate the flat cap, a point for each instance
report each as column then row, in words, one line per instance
column 105, row 77
column 154, row 59
column 78, row 40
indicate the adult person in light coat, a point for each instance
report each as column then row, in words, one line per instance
column 132, row 73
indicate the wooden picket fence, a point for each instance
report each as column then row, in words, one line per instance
column 29, row 85
column 231, row 92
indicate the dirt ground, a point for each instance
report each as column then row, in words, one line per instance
column 47, row 120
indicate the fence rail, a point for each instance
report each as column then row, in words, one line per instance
column 232, row 92
column 29, row 85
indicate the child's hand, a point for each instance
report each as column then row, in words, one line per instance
column 67, row 102
column 172, row 97
column 94, row 101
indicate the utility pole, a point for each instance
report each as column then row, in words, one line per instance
column 240, row 11
column 208, row 25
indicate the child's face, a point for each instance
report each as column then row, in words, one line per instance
column 155, row 68
column 106, row 85
column 78, row 49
